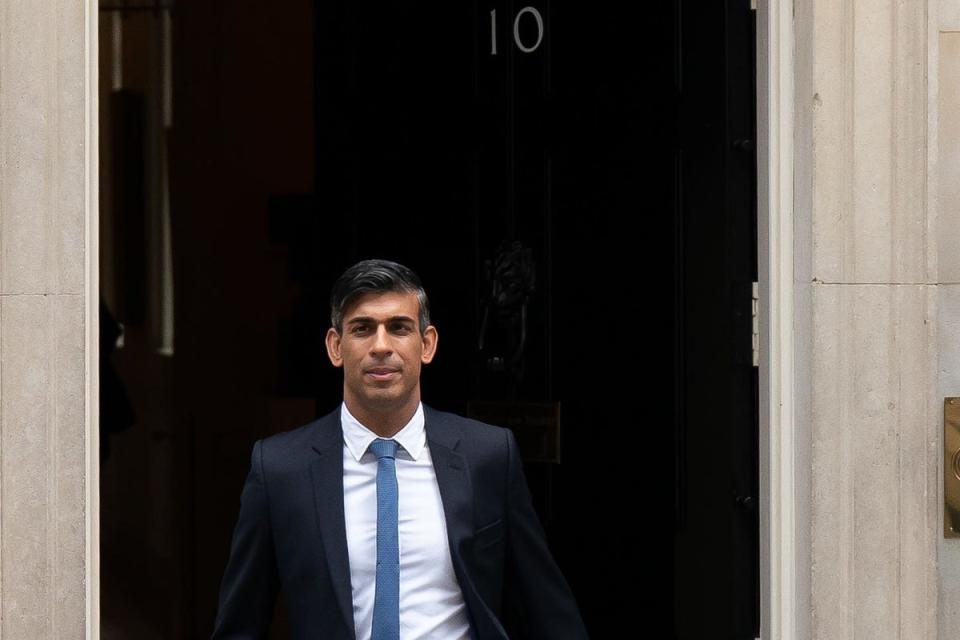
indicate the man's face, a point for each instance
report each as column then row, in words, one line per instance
column 381, row 351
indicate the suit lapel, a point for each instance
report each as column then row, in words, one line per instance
column 326, row 473
column 453, row 479
column 456, row 493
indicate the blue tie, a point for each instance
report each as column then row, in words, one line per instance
column 386, row 603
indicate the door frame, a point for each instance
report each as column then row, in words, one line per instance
column 779, row 540
column 91, row 118
column 780, row 500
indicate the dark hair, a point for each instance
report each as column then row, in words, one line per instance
column 375, row 276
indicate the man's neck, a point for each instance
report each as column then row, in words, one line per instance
column 385, row 424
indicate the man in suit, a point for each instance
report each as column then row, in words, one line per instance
column 386, row 518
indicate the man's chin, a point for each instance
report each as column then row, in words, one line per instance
column 384, row 399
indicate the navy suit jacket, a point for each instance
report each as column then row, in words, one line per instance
column 291, row 535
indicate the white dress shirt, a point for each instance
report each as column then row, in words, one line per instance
column 431, row 603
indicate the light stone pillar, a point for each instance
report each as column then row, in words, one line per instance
column 48, row 319
column 945, row 180
column 867, row 401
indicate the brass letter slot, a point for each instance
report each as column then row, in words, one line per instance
column 951, row 467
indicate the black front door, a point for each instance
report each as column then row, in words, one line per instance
column 575, row 185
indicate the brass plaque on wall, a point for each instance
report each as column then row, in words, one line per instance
column 951, row 467
column 536, row 425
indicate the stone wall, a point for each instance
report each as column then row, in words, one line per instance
column 48, row 342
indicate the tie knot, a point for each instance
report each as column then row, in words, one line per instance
column 384, row 448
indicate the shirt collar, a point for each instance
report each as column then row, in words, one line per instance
column 412, row 437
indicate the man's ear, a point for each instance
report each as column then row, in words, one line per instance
column 430, row 338
column 333, row 347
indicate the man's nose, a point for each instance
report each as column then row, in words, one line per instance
column 381, row 341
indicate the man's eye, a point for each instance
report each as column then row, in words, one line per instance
column 360, row 329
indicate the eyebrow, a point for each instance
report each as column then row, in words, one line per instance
column 368, row 319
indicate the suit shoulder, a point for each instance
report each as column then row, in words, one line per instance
column 292, row 446
column 475, row 431
column 290, row 436
column 464, row 421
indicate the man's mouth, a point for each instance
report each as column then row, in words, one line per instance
column 381, row 373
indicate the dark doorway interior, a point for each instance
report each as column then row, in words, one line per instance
column 601, row 161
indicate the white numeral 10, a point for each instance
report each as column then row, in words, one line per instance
column 516, row 30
